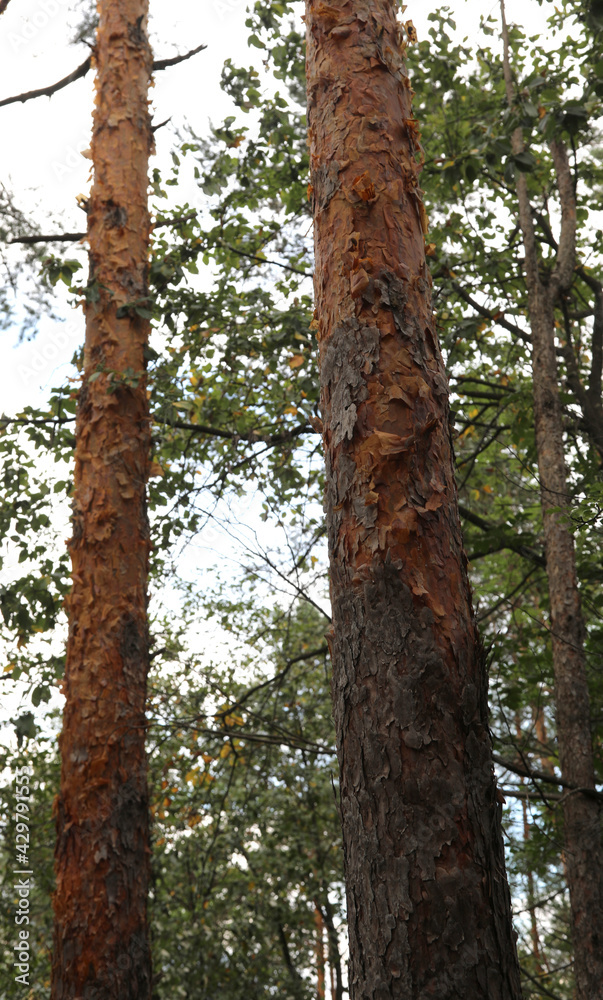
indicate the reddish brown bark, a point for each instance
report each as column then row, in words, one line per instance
column 428, row 903
column 320, row 954
column 581, row 813
column 101, row 940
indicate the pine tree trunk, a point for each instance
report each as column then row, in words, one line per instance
column 581, row 813
column 101, row 940
column 428, row 903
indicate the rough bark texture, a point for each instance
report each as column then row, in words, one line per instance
column 101, row 940
column 581, row 813
column 428, row 903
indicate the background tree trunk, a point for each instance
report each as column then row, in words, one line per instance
column 101, row 940
column 581, row 813
column 428, row 903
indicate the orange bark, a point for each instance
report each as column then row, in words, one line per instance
column 101, row 940
column 428, row 903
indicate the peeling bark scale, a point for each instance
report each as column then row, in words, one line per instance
column 428, row 902
column 102, row 854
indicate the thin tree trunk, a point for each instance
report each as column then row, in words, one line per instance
column 581, row 814
column 102, row 853
column 531, row 896
column 334, row 954
column 428, row 903
column 320, row 954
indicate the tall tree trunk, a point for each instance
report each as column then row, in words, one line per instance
column 428, row 903
column 102, row 853
column 581, row 813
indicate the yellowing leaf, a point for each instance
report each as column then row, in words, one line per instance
column 475, row 494
column 224, row 752
column 290, row 409
column 296, row 361
column 233, row 720
column 155, row 471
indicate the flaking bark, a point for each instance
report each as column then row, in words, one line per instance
column 581, row 813
column 101, row 940
column 428, row 902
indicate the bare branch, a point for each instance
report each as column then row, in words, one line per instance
column 3, row 5
column 527, row 772
column 254, row 437
column 513, row 542
column 319, row 651
column 81, row 71
column 262, row 260
column 76, row 237
column 53, row 88
column 506, row 599
column 164, row 63
column 538, row 984
column 58, row 238
column 40, row 422
column 497, row 317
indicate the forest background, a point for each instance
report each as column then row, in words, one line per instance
column 247, row 894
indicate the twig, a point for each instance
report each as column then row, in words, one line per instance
column 527, row 772
column 494, row 317
column 319, row 651
column 252, row 436
column 543, row 989
column 262, row 260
